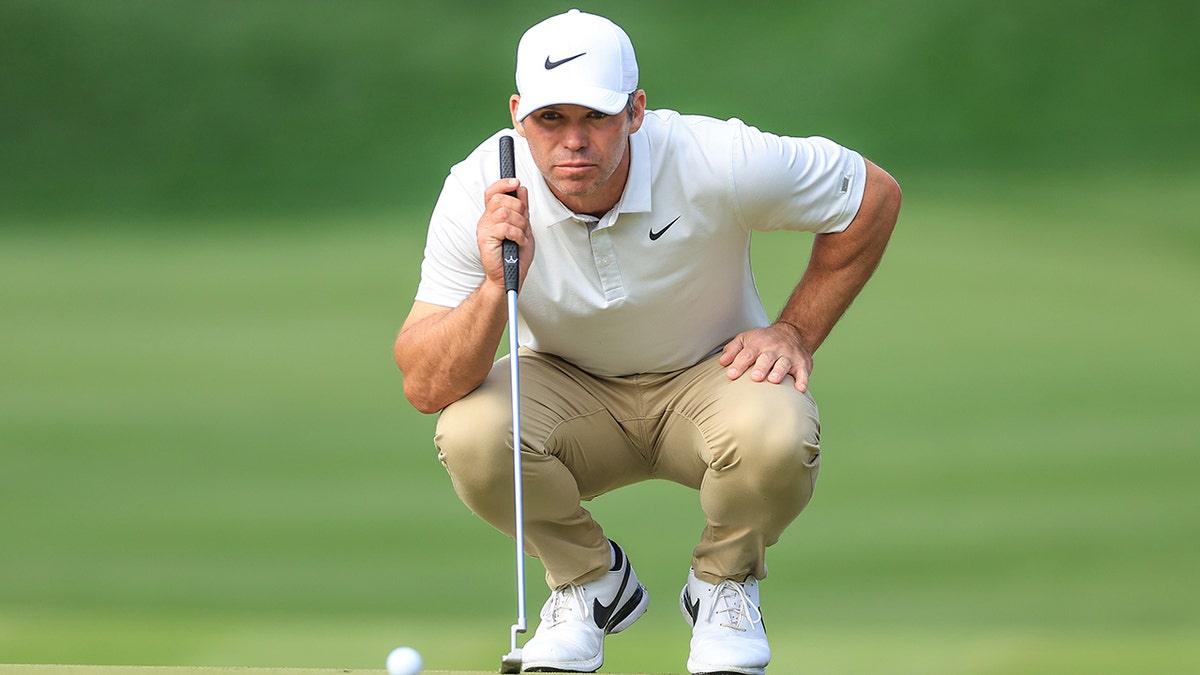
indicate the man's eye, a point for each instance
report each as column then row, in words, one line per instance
column 550, row 116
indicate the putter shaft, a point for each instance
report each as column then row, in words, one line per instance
column 518, row 493
column 510, row 252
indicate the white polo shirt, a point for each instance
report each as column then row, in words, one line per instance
column 663, row 279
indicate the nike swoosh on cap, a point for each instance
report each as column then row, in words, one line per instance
column 551, row 65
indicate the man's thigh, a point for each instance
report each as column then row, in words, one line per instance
column 712, row 421
column 577, row 418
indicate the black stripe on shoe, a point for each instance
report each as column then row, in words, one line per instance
column 692, row 607
column 627, row 609
column 618, row 556
column 605, row 614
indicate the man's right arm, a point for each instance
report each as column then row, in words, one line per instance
column 446, row 352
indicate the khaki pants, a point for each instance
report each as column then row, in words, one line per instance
column 752, row 449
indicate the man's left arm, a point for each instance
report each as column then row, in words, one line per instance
column 838, row 268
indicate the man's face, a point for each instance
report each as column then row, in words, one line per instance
column 582, row 153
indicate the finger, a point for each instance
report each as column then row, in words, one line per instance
column 521, row 194
column 515, row 198
column 505, row 196
column 511, row 232
column 501, row 187
column 492, row 235
column 780, row 370
column 742, row 361
column 801, row 372
column 731, row 350
column 506, row 220
column 766, row 366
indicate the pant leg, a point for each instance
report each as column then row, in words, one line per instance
column 572, row 448
column 753, row 451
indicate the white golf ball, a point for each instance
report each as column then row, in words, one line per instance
column 403, row 661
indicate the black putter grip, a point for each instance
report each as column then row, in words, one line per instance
column 512, row 265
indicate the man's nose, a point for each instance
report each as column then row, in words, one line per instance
column 575, row 137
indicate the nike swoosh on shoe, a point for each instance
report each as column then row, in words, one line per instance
column 604, row 613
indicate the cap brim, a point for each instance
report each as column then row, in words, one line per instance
column 597, row 98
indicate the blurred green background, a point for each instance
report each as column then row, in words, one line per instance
column 211, row 219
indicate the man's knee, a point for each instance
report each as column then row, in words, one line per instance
column 764, row 472
column 773, row 439
column 473, row 439
column 789, row 452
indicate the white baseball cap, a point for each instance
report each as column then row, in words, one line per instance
column 576, row 58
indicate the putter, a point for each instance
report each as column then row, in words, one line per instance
column 511, row 663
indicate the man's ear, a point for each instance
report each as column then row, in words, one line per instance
column 513, row 102
column 639, row 110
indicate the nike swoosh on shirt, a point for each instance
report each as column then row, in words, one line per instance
column 655, row 235
column 551, row 65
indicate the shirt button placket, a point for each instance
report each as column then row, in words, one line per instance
column 605, row 258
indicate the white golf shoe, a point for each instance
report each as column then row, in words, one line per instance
column 728, row 635
column 576, row 618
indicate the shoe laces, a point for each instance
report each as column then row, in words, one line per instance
column 562, row 601
column 730, row 598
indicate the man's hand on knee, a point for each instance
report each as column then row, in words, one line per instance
column 769, row 355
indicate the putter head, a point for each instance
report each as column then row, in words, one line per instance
column 511, row 662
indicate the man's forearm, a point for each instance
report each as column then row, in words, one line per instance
column 446, row 353
column 820, row 300
column 841, row 263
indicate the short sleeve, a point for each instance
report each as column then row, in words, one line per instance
column 451, row 269
column 786, row 183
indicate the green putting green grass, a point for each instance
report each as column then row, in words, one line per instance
column 211, row 222
column 208, row 459
column 195, row 670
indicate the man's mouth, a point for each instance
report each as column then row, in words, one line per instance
column 575, row 167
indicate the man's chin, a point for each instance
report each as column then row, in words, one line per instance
column 574, row 188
